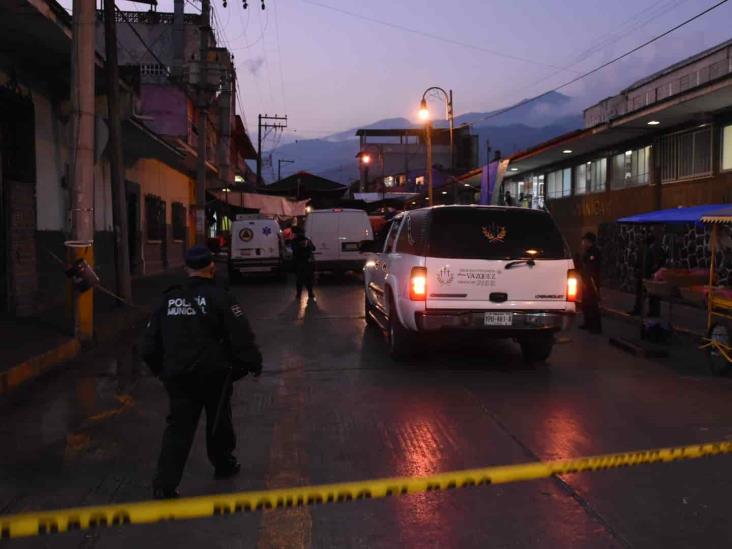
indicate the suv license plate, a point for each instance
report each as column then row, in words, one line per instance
column 350, row 246
column 497, row 319
column 246, row 252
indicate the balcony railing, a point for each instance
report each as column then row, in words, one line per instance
column 150, row 17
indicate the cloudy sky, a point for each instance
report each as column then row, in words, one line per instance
column 337, row 64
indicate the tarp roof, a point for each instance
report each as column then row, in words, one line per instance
column 306, row 183
column 690, row 214
column 270, row 205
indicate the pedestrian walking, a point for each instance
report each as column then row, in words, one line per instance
column 508, row 199
column 304, row 262
column 591, row 262
column 198, row 342
column 650, row 259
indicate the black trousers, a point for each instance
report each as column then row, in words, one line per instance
column 654, row 302
column 190, row 395
column 591, row 308
column 304, row 276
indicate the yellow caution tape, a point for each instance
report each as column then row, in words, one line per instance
column 103, row 516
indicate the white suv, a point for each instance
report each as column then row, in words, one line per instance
column 493, row 271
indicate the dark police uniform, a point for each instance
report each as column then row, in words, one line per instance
column 591, row 263
column 197, row 358
column 304, row 263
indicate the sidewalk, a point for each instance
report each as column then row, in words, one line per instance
column 685, row 319
column 29, row 347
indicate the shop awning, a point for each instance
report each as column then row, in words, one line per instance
column 718, row 216
column 690, row 214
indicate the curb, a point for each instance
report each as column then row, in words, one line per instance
column 105, row 332
column 35, row 366
column 615, row 313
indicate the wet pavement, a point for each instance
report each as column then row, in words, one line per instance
column 331, row 406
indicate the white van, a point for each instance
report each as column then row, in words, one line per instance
column 257, row 246
column 337, row 234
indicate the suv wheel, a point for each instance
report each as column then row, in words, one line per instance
column 400, row 339
column 368, row 309
column 536, row 348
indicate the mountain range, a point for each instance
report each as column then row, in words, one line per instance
column 528, row 123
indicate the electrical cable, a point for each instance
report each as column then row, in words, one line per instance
column 598, row 68
column 432, row 36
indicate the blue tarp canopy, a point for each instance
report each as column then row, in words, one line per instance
column 690, row 214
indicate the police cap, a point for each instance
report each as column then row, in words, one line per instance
column 198, row 257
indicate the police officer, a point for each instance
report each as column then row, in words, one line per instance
column 591, row 262
column 304, row 262
column 198, row 342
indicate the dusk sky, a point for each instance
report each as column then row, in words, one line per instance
column 336, row 64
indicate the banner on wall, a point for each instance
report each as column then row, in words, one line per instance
column 491, row 181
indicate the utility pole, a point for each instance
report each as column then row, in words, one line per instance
column 81, row 246
column 116, row 160
column 280, row 161
column 428, row 131
column 204, row 30
column 278, row 123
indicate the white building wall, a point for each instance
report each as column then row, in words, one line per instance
column 52, row 157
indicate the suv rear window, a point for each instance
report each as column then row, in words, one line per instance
column 482, row 233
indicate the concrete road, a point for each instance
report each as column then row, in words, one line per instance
column 332, row 407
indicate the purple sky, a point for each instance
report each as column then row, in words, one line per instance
column 331, row 71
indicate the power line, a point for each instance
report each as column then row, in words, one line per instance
column 432, row 36
column 279, row 55
column 599, row 68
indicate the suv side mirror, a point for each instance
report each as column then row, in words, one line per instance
column 368, row 246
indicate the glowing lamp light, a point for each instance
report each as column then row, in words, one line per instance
column 424, row 112
column 653, row 123
column 366, row 158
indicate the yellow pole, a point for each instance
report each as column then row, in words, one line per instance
column 712, row 265
column 83, row 304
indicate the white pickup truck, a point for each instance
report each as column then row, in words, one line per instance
column 491, row 271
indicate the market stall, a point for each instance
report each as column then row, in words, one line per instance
column 719, row 300
column 671, row 283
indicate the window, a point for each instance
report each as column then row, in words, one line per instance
column 631, row 168
column 412, row 236
column 155, row 217
column 686, row 155
column 178, row 212
column 391, row 237
column 559, row 183
column 590, row 177
column 580, row 179
column 493, row 234
column 727, row 148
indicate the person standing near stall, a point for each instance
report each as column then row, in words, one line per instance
column 591, row 263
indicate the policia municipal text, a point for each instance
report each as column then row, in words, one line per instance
column 198, row 342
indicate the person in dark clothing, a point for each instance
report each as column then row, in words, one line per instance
column 304, row 262
column 198, row 342
column 650, row 259
column 591, row 263
column 508, row 199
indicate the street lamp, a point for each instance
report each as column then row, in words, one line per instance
column 424, row 114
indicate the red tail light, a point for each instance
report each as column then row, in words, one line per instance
column 418, row 284
column 572, row 285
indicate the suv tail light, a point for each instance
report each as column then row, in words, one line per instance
column 572, row 285
column 418, row 284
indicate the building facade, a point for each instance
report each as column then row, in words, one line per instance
column 664, row 142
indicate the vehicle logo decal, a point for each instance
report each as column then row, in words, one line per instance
column 266, row 231
column 495, row 233
column 246, row 234
column 445, row 276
